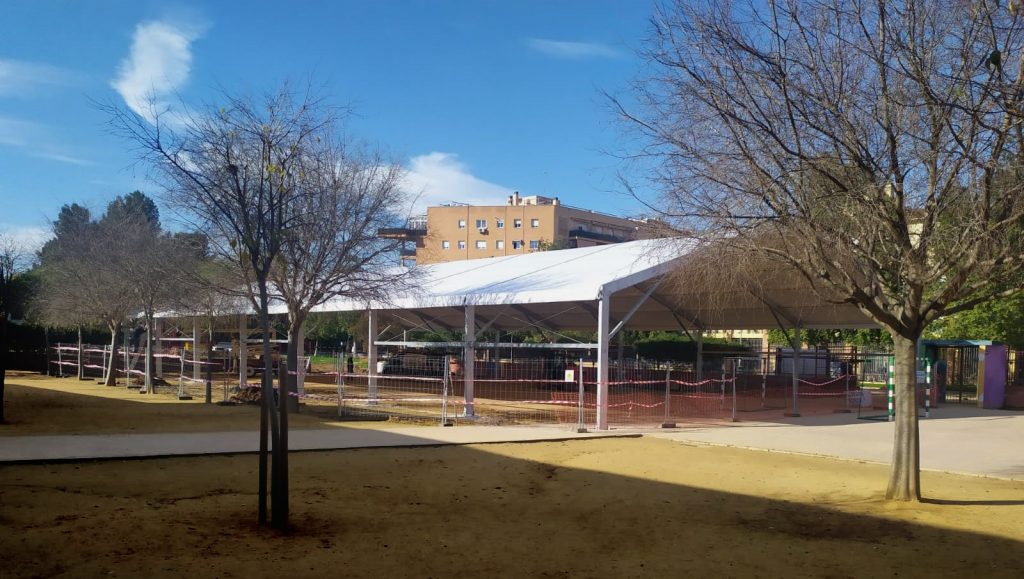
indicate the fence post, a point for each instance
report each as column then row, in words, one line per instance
column 127, row 370
column 182, row 395
column 734, row 419
column 60, row 362
column 444, row 392
column 667, row 423
column 580, row 427
column 891, row 389
column 764, row 382
column 846, row 387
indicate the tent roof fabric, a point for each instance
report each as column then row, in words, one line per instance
column 559, row 290
column 540, row 277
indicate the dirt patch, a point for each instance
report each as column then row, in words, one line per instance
column 601, row 508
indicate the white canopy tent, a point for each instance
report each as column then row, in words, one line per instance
column 603, row 288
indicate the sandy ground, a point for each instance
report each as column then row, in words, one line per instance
column 42, row 405
column 640, row 507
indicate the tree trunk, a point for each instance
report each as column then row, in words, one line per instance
column 280, row 505
column 268, row 415
column 294, row 334
column 147, row 384
column 111, row 378
column 209, row 364
column 905, row 474
column 288, row 386
column 46, row 349
column 3, row 365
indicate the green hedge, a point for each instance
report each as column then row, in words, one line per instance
column 682, row 349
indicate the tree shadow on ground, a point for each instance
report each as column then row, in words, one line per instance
column 602, row 508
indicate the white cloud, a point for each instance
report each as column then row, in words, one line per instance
column 20, row 77
column 158, row 65
column 572, row 50
column 26, row 237
column 35, row 140
column 15, row 132
column 437, row 178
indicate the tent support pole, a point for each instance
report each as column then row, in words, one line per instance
column 371, row 355
column 796, row 373
column 469, row 358
column 603, row 307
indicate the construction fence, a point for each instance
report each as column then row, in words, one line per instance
column 561, row 390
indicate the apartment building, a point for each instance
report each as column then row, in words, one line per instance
column 457, row 231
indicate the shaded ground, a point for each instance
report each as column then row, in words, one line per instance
column 641, row 507
column 602, row 508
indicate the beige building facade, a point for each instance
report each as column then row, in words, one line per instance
column 525, row 224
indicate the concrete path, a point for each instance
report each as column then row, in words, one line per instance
column 100, row 446
column 955, row 439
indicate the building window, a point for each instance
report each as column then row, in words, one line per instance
column 481, row 244
column 481, row 224
column 462, row 223
column 517, row 223
column 499, row 223
column 535, row 223
column 500, row 244
column 462, row 244
column 534, row 244
column 517, row 245
column 446, row 244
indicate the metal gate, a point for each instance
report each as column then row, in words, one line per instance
column 960, row 373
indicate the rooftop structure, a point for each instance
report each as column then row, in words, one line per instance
column 457, row 231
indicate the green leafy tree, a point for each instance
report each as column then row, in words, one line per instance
column 1001, row 320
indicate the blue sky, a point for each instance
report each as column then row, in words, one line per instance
column 476, row 99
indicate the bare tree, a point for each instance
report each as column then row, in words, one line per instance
column 874, row 148
column 162, row 268
column 234, row 170
column 13, row 263
column 347, row 197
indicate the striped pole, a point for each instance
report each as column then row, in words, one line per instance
column 928, row 389
column 341, row 381
column 892, row 389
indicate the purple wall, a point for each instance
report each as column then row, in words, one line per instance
column 992, row 382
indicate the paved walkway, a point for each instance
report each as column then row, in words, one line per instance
column 99, row 446
column 955, row 439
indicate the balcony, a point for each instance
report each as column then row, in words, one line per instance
column 576, row 234
column 415, row 230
